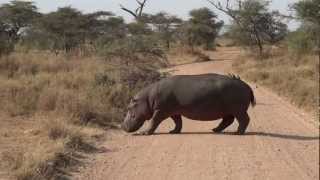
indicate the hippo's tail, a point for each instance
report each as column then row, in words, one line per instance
column 252, row 98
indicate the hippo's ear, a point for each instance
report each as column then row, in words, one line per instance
column 135, row 100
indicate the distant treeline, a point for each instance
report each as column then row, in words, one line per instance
column 68, row 29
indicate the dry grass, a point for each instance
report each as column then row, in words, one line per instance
column 292, row 77
column 52, row 149
column 53, row 108
column 184, row 55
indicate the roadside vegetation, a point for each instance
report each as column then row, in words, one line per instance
column 67, row 76
column 289, row 63
column 296, row 78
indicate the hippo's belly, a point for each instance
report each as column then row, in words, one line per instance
column 202, row 115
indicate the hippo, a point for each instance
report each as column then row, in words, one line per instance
column 204, row 97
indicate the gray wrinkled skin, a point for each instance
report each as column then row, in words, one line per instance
column 204, row 97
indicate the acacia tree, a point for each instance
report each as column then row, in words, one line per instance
column 309, row 13
column 15, row 18
column 139, row 27
column 17, row 15
column 254, row 24
column 166, row 26
column 68, row 28
column 137, row 13
column 6, row 46
column 202, row 28
column 107, row 31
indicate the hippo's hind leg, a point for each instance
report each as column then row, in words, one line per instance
column 243, row 119
column 178, row 124
column 226, row 121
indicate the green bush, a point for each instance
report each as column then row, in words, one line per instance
column 6, row 46
column 299, row 42
column 135, row 49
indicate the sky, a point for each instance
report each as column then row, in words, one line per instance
column 179, row 8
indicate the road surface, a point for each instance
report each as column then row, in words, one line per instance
column 282, row 142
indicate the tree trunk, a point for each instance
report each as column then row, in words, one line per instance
column 260, row 48
column 168, row 44
column 258, row 41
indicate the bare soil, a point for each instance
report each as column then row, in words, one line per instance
column 282, row 142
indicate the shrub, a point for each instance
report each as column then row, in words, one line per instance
column 294, row 78
column 299, row 42
column 135, row 49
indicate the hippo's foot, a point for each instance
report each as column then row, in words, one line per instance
column 239, row 133
column 175, row 131
column 217, row 130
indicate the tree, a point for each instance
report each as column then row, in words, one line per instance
column 308, row 10
column 166, row 26
column 6, row 46
column 139, row 27
column 202, row 28
column 15, row 18
column 104, row 27
column 138, row 13
column 68, row 28
column 107, row 30
column 309, row 13
column 255, row 25
column 17, row 15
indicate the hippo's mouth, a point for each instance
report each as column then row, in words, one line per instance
column 131, row 127
column 126, row 128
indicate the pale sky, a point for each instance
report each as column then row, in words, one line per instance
column 179, row 8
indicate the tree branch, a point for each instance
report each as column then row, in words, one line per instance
column 142, row 4
column 138, row 12
column 129, row 11
column 228, row 10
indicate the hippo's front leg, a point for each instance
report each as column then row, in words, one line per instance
column 156, row 119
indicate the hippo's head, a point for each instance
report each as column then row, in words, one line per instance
column 138, row 113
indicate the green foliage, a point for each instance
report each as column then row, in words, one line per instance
column 202, row 28
column 299, row 42
column 15, row 18
column 257, row 23
column 6, row 45
column 105, row 26
column 139, row 28
column 254, row 25
column 309, row 10
column 309, row 13
column 17, row 15
column 66, row 28
column 135, row 49
column 165, row 27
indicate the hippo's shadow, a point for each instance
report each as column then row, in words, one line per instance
column 252, row 133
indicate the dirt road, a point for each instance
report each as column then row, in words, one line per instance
column 282, row 143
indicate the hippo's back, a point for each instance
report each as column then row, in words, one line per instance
column 203, row 97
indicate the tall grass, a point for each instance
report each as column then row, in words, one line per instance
column 295, row 77
column 56, row 105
